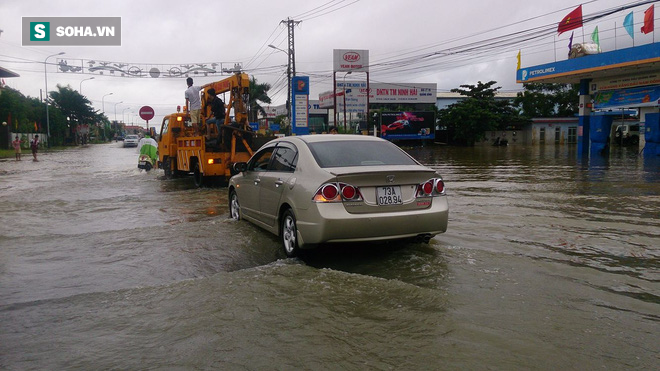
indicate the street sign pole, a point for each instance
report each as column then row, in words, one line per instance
column 146, row 114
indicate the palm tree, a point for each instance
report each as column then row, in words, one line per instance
column 258, row 93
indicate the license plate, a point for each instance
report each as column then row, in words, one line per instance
column 388, row 195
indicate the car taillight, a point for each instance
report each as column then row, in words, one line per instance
column 329, row 191
column 349, row 192
column 428, row 187
column 440, row 186
column 432, row 187
column 337, row 192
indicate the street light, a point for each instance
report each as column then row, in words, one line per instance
column 276, row 48
column 116, row 109
column 103, row 106
column 288, row 76
column 46, row 78
column 80, row 90
column 103, row 103
column 115, row 116
column 122, row 115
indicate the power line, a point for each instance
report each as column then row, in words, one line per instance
column 477, row 51
column 323, row 10
column 317, row 9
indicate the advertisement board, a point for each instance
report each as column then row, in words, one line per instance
column 625, row 82
column 326, row 99
column 403, row 93
column 356, row 100
column 407, row 125
column 353, row 94
column 646, row 96
column 353, row 60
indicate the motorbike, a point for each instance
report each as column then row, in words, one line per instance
column 145, row 162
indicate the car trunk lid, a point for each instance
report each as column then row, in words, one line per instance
column 385, row 189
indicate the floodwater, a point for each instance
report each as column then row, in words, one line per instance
column 549, row 262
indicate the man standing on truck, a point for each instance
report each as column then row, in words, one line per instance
column 193, row 102
column 217, row 109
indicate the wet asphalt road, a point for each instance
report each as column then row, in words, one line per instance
column 549, row 263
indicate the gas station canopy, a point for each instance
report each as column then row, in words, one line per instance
column 644, row 59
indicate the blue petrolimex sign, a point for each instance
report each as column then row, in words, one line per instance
column 300, row 105
column 590, row 63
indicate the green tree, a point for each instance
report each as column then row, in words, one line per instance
column 548, row 100
column 469, row 119
column 258, row 93
column 17, row 111
column 74, row 108
column 28, row 115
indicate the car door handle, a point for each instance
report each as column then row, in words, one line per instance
column 257, row 181
column 278, row 183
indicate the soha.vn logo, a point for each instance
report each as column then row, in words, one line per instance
column 39, row 31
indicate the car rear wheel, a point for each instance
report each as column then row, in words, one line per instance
column 289, row 234
column 234, row 206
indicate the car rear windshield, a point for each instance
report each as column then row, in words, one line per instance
column 358, row 153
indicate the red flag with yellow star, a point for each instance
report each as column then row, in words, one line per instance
column 572, row 21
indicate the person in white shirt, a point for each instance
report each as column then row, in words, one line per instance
column 193, row 102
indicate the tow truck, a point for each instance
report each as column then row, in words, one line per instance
column 184, row 148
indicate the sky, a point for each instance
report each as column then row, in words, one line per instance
column 415, row 41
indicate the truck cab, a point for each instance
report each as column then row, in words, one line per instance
column 173, row 125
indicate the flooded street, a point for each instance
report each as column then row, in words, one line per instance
column 549, row 262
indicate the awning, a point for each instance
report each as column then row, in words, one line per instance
column 7, row 73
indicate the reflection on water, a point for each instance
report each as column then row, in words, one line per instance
column 550, row 261
column 598, row 212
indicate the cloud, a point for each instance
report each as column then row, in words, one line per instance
column 171, row 32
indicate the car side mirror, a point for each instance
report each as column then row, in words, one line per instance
column 240, row 167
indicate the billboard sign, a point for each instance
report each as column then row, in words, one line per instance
column 645, row 96
column 629, row 81
column 379, row 93
column 354, row 94
column 407, row 125
column 350, row 60
column 326, row 99
column 403, row 93
column 315, row 108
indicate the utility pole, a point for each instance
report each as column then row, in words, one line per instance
column 291, row 66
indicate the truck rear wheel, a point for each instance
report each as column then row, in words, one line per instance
column 198, row 176
column 167, row 167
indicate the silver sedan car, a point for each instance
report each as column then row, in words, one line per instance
column 131, row 141
column 318, row 189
